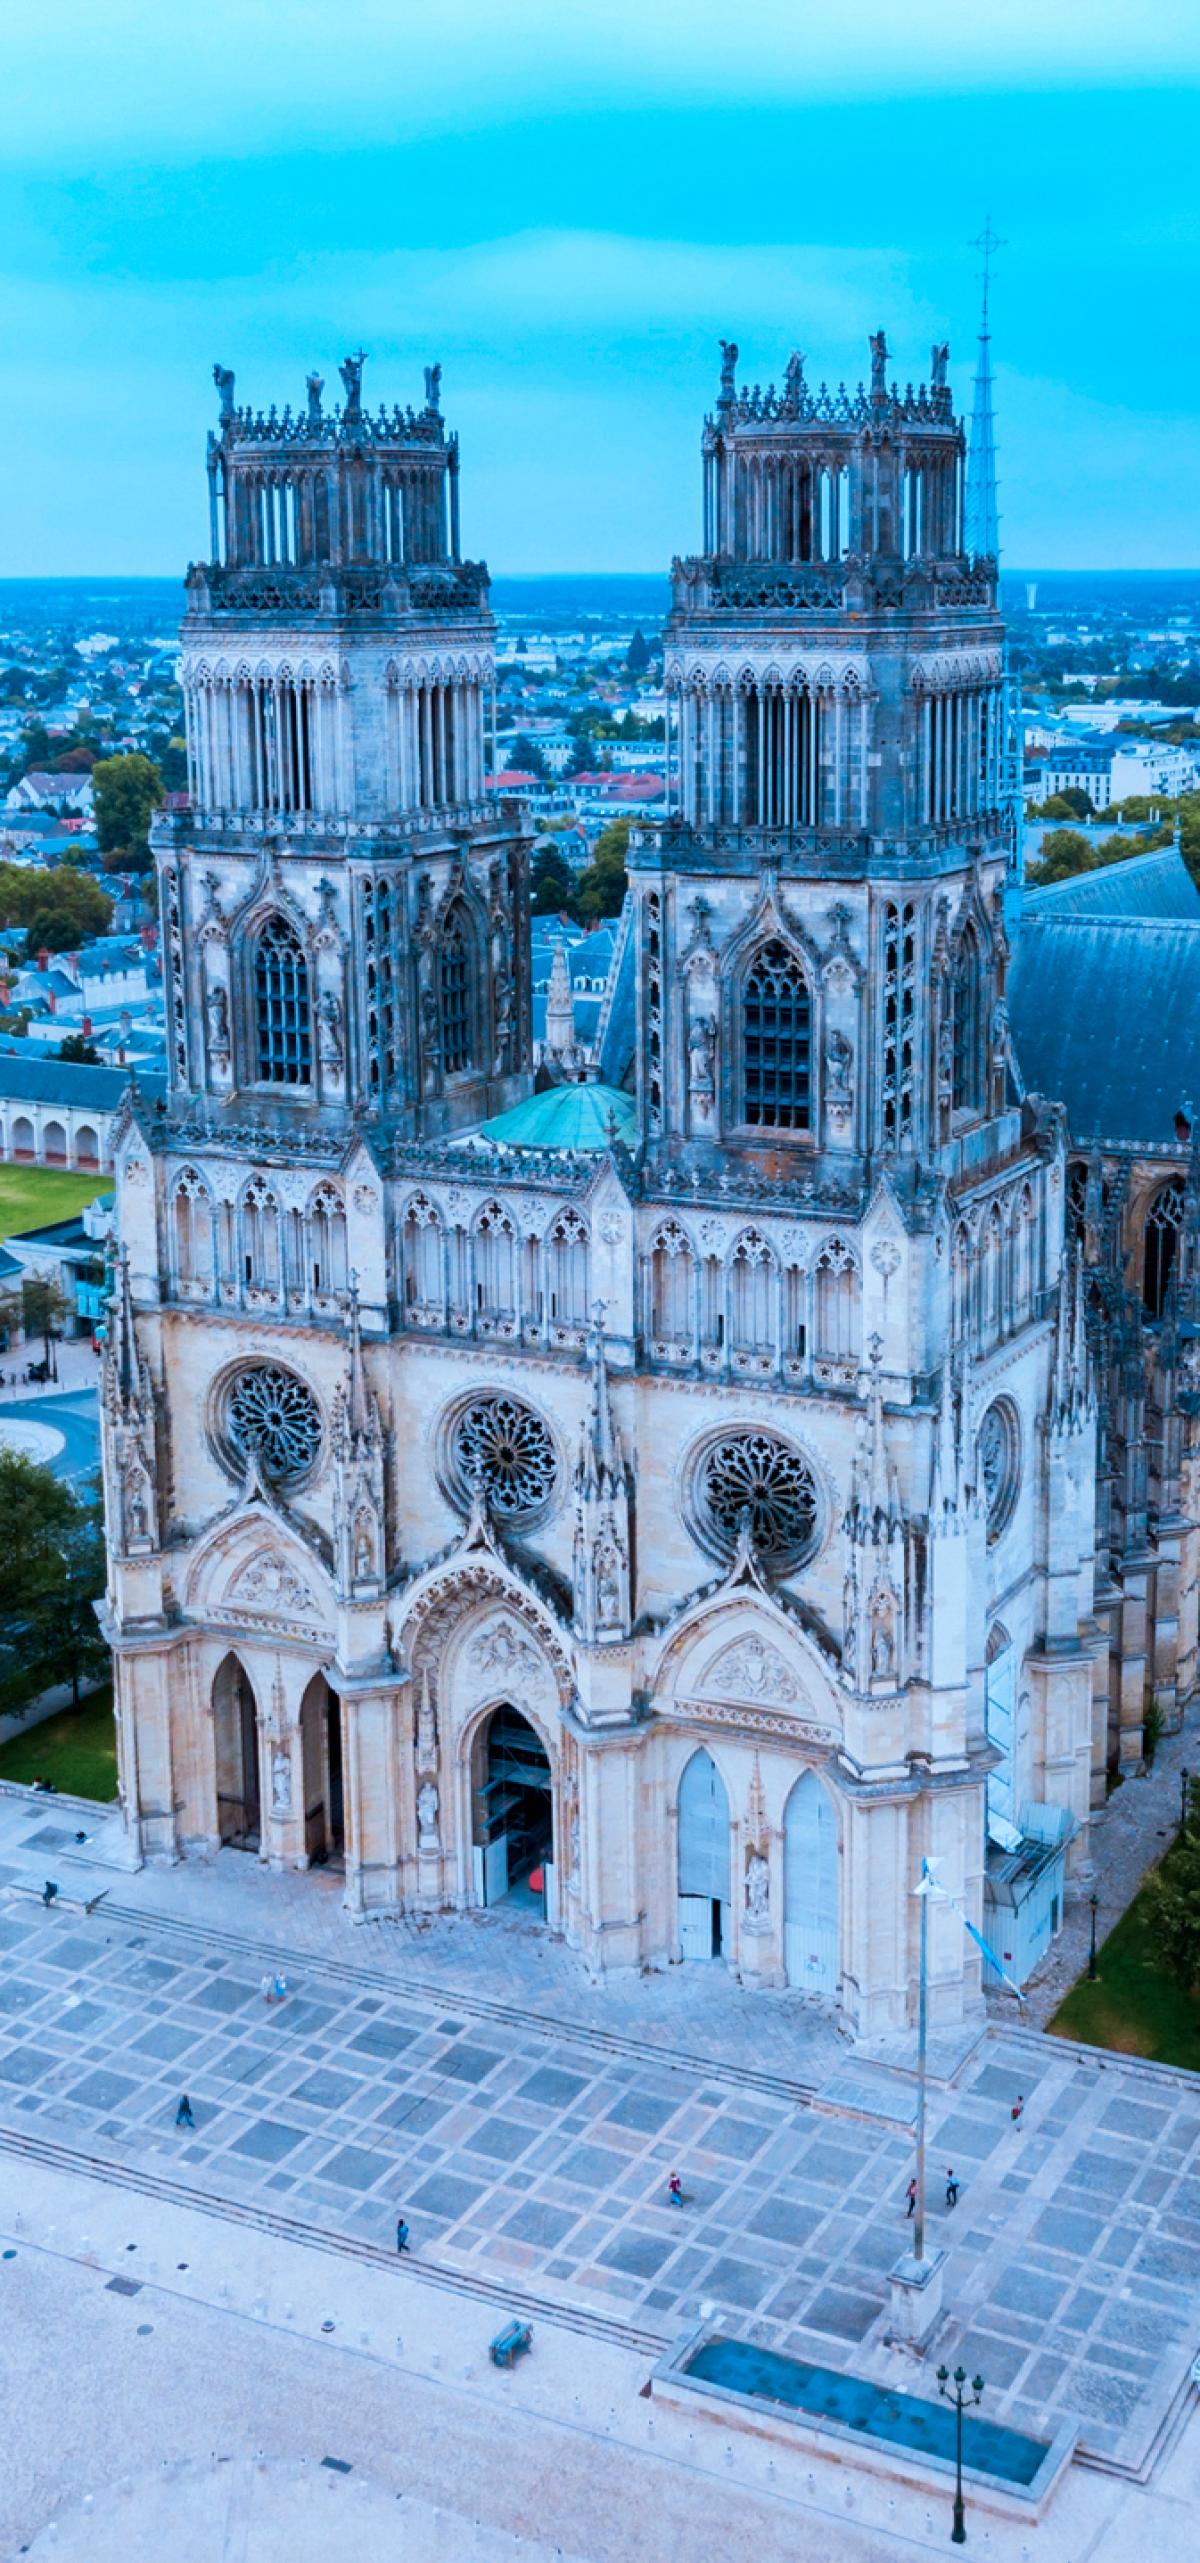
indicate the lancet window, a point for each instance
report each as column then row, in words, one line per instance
column 327, row 1242
column 458, row 1046
column 495, row 1266
column 753, row 1295
column 261, row 1239
column 776, row 1042
column 967, row 1006
column 192, row 1224
column 899, row 1019
column 282, row 1007
column 567, row 1271
column 837, row 1304
column 672, row 1290
column 1163, row 1222
column 421, row 1250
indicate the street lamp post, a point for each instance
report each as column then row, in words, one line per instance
column 960, row 2401
column 1093, row 1901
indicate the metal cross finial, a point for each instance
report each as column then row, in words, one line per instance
column 988, row 243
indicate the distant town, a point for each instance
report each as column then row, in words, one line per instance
column 1106, row 671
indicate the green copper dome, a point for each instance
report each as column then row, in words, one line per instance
column 567, row 1117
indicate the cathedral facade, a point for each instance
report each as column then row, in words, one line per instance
column 668, row 1508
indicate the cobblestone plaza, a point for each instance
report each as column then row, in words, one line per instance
column 529, row 2141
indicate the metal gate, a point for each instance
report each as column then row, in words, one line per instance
column 703, row 1860
column 810, row 1889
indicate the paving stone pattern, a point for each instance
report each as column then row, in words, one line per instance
column 526, row 2154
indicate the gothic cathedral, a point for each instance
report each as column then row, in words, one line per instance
column 668, row 1509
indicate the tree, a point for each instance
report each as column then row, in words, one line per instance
column 551, row 884
column 1064, row 852
column 37, row 1307
column 526, row 757
column 128, row 791
column 600, row 889
column 1071, row 804
column 637, row 657
column 1173, row 1901
column 81, row 1052
column 54, row 1572
column 29, row 897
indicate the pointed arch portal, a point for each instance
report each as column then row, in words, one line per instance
column 514, row 1814
column 239, row 1788
column 810, row 1888
column 704, row 1863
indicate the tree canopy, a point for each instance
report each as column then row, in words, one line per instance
column 600, row 888
column 128, row 791
column 59, row 909
column 526, row 757
column 54, row 1571
column 1173, row 1900
column 81, row 1052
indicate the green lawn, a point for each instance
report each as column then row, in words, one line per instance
column 1133, row 2006
column 33, row 1196
column 77, row 1750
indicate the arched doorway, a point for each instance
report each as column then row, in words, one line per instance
column 704, row 1866
column 321, row 1758
column 514, row 1815
column 239, row 1788
column 54, row 1144
column 810, row 1889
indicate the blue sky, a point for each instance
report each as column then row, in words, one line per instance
column 567, row 205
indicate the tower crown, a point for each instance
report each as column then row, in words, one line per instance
column 794, row 476
column 299, row 492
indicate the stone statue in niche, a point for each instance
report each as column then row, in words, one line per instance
column 218, row 1022
column 849, row 1626
column 332, row 1051
column 758, row 1887
column 503, row 1003
column 839, row 1060
column 427, row 1816
column 608, row 1584
column 945, row 1064
column 883, row 1634
column 702, row 1051
column 135, row 1508
column 364, row 1551
column 430, row 1035
column 281, row 1780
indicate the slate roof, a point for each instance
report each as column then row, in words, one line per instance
column 1146, row 885
column 1105, row 1014
column 61, row 1081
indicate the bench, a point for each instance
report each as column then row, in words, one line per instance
column 510, row 2342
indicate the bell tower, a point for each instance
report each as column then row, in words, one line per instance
column 344, row 905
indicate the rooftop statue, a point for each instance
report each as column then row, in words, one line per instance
column 729, row 357
column 314, row 387
column 223, row 378
column 939, row 358
column 879, row 357
column 351, row 371
column 433, row 387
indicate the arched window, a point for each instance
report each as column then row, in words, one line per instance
column 282, row 1012
column 422, row 1253
column 672, row 1288
column 567, row 1270
column 495, row 1266
column 960, row 1271
column 753, row 1295
column 1077, row 1184
column 260, row 1238
column 837, row 1309
column 776, row 1042
column 1163, row 1221
column 993, row 1270
column 192, row 1215
column 327, row 1240
column 967, row 1002
column 458, row 1047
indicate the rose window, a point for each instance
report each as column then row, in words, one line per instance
column 499, row 1443
column 757, row 1475
column 271, row 1412
column 999, row 1465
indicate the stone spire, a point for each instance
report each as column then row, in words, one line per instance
column 560, row 1012
column 127, row 1415
column 359, row 1493
column 601, row 1488
column 1071, row 1403
column 981, row 519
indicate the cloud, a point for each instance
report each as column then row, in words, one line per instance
column 161, row 79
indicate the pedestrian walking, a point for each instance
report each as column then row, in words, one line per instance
column 675, row 2190
column 911, row 2208
column 1017, row 2111
column 401, row 2235
column 951, row 2189
column 183, row 2115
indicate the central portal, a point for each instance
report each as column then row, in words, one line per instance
column 514, row 1821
